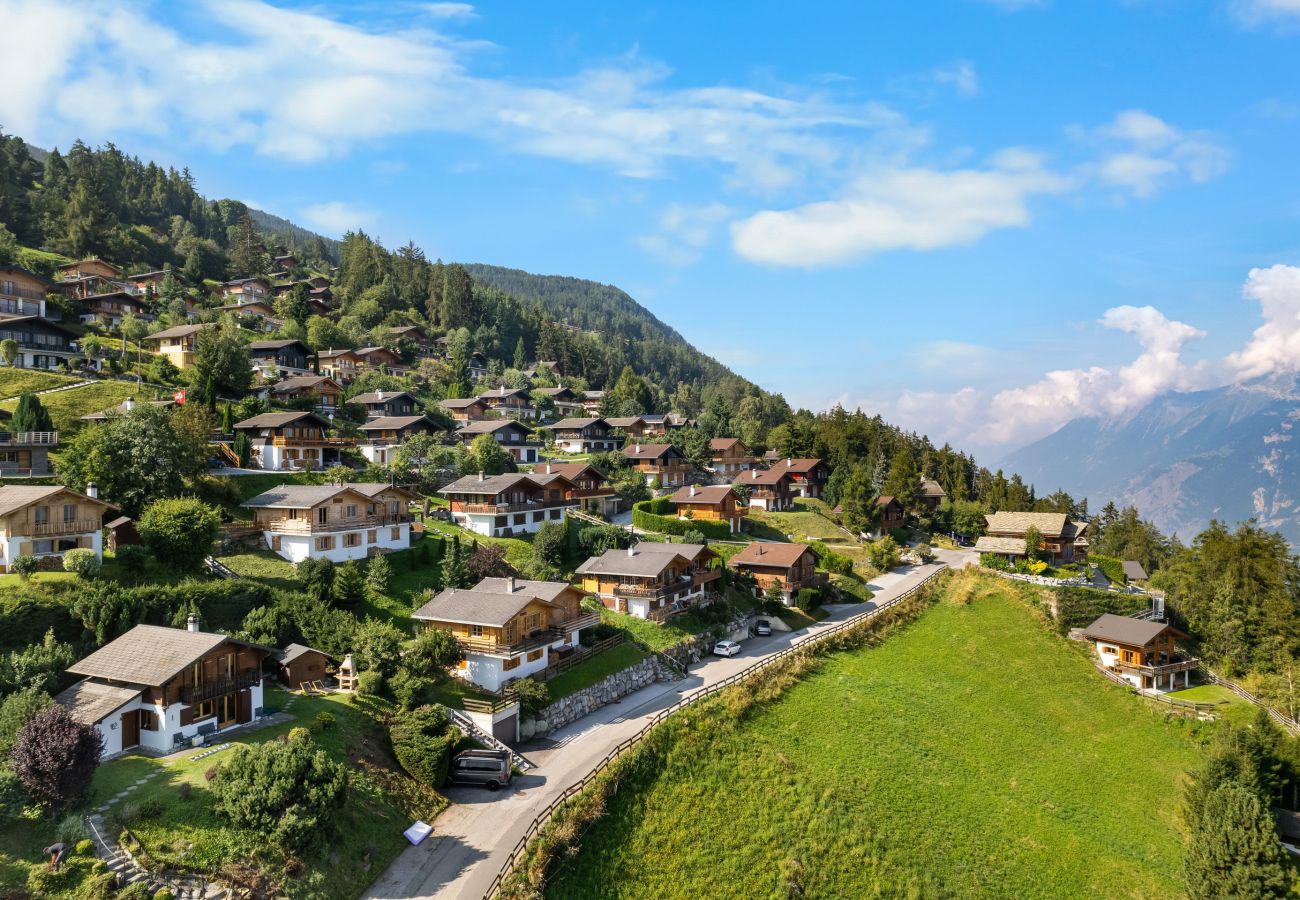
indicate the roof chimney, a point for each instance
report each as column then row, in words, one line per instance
column 128, row 404
column 92, row 490
column 482, row 477
column 636, row 448
column 631, row 551
column 693, row 492
column 548, row 468
column 510, row 584
column 193, row 623
column 758, row 548
column 379, row 395
column 788, row 462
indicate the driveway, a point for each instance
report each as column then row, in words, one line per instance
column 473, row 838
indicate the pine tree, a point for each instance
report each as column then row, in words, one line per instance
column 349, row 585
column 1233, row 850
column 903, row 481
column 455, row 573
column 521, row 355
column 378, row 575
column 247, row 255
column 459, row 308
column 30, row 415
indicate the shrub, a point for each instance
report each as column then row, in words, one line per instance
column 377, row 647
column 132, row 557
column 184, row 791
column 422, row 742
column 290, row 791
column 13, row 798
column 25, row 565
column 55, row 757
column 85, row 848
column 1112, row 568
column 138, row 890
column 659, row 515
column 317, row 577
column 349, row 585
column 82, row 561
column 379, row 573
column 179, row 531
column 900, row 535
column 433, row 651
column 411, row 690
column 923, row 552
column 164, row 894
column 370, row 684
column 883, row 553
column 71, row 829
column 324, row 721
column 807, row 598
column 533, row 695
column 995, row 561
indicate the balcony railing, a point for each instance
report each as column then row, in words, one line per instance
column 282, row 441
column 542, row 638
column 29, row 438
column 27, row 293
column 661, row 591
column 309, row 526
column 1169, row 668
column 77, row 526
column 502, row 508
column 218, row 686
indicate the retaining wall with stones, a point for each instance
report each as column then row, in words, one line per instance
column 700, row 646
column 588, row 700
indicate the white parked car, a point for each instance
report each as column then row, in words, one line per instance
column 726, row 648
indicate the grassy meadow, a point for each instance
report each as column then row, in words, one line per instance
column 974, row 753
column 67, row 407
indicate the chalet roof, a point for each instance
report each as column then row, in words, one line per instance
column 276, row 345
column 280, row 419
column 118, row 522
column 649, row 451
column 90, row 701
column 1133, row 570
column 719, row 445
column 336, row 354
column 624, row 421
column 178, row 331
column 542, row 590
column 761, row 477
column 491, row 426
column 711, row 495
column 644, row 560
column 41, row 321
column 373, row 489
column 122, row 408
column 1125, row 630
column 575, row 424
column 366, row 351
column 593, row 395
column 797, row 465
column 406, row 329
column 1049, row 524
column 295, row 651
column 30, row 274
column 14, row 497
column 396, row 423
column 375, row 396
column 460, row 402
column 154, row 275
column 552, row 391
column 769, row 553
column 126, row 295
column 932, row 488
column 501, row 393
column 989, row 544
column 238, row 281
column 81, row 262
column 148, row 654
column 298, row 496
column 489, row 485
column 475, row 607
column 570, row 470
column 299, row 382
column 886, row 499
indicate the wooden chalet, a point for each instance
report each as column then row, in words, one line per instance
column 383, row 435
column 789, row 567
column 651, row 581
column 585, row 436
column 1063, row 539
column 661, row 464
column 1141, row 651
column 291, row 440
column 322, row 391
column 711, row 503
column 513, row 437
column 768, row 489
column 729, row 457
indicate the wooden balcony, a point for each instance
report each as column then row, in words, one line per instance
column 282, row 441
column 310, row 526
column 26, row 293
column 1167, row 668
column 217, row 687
column 542, row 638
column 52, row 529
column 503, row 508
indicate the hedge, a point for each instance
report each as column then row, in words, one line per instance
column 1111, row 567
column 1077, row 607
column 658, row 515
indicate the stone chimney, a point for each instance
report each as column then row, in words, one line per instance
column 92, row 490
column 128, row 404
column 193, row 623
column 510, row 584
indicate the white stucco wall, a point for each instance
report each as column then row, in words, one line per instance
column 297, row 547
column 11, row 545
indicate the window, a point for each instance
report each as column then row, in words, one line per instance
column 476, row 631
column 325, row 543
column 533, row 621
column 556, row 513
column 196, row 674
column 352, row 539
column 204, row 710
column 372, row 536
column 351, row 511
column 42, row 547
column 41, row 515
column 508, row 664
column 395, row 534
column 323, row 515
column 521, row 519
column 69, row 513
column 535, row 655
column 539, row 516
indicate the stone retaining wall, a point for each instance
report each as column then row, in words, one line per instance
column 588, row 700
column 698, row 647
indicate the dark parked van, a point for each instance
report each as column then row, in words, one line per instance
column 490, row 768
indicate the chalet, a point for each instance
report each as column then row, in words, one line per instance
column 26, row 454
column 1141, row 651
column 515, row 403
column 108, row 308
column 245, row 291
column 274, row 359
column 161, row 688
column 178, row 344
column 807, row 476
column 381, row 358
column 261, row 310
column 387, row 403
column 41, row 343
column 143, row 281
column 562, row 400
column 333, row 521
column 22, row 293
column 545, row 369
column 126, row 407
column 509, row 628
column 320, row 301
column 504, row 505
column 87, row 268
column 769, row 489
column 590, row 487
column 1133, row 570
column 322, row 391
column 47, row 520
column 656, row 424
column 713, row 503
column 341, row 365
column 633, row 427
column 585, row 436
column 291, row 440
column 383, row 435
column 892, row 514
column 298, row 665
column 592, row 400
column 465, row 410
column 477, row 367
column 285, row 262
column 512, row 436
column 413, row 333
column 651, row 581
column 931, row 495
column 661, row 464
column 1063, row 538
column 729, row 457
column 789, row 567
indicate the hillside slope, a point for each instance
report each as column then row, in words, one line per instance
column 1226, row 453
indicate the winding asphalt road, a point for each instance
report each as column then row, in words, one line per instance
column 474, row 836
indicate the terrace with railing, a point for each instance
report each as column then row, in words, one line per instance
column 536, row 639
column 29, row 438
column 217, row 687
column 312, row 526
column 61, row 526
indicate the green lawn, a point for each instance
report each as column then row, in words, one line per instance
column 602, row 665
column 519, row 550
column 263, row 565
column 249, row 486
column 972, row 754
column 796, row 618
column 36, row 578
column 676, row 630
column 17, row 381
column 1231, row 707
column 67, row 407
column 806, row 521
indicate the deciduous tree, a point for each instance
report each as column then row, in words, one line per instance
column 55, row 757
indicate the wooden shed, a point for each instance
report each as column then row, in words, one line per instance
column 121, row 532
column 299, row 664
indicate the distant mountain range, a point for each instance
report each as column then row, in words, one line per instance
column 1228, row 453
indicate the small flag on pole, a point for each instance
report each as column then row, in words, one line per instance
column 179, row 396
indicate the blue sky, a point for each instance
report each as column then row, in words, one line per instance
column 978, row 218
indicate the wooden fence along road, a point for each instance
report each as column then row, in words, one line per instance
column 545, row 815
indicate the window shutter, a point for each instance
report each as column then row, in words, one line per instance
column 187, row 715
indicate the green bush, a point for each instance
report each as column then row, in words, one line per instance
column 883, row 553
column 85, row 848
column 423, row 740
column 900, row 535
column 132, row 557
column 82, row 561
column 179, row 531
column 533, row 695
column 995, row 561
column 324, row 721
column 164, row 894
column 659, row 515
column 138, row 890
column 370, row 684
column 807, row 598
column 1077, row 607
column 25, row 565
column 831, row 561
column 1110, row 567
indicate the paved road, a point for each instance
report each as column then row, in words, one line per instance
column 473, row 837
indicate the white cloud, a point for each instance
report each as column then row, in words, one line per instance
column 1142, row 152
column 1275, row 345
column 905, row 208
column 336, row 217
column 961, row 75
column 1259, row 12
column 684, row 232
column 457, row 11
